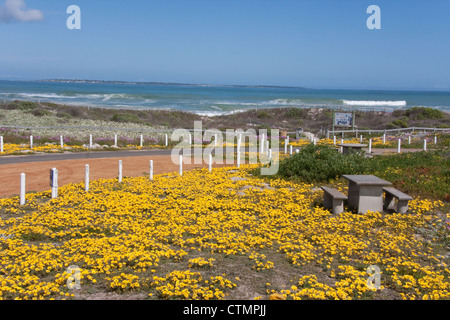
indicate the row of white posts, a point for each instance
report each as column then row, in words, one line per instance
column 54, row 171
column 262, row 144
column 399, row 143
column 116, row 139
column 54, row 178
column 61, row 141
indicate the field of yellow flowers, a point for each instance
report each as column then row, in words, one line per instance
column 220, row 235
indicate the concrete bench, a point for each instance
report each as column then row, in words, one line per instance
column 333, row 199
column 402, row 200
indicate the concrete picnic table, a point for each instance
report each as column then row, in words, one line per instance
column 365, row 192
column 349, row 147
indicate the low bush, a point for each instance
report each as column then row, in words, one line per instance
column 263, row 114
column 296, row 113
column 424, row 174
column 422, row 113
column 26, row 105
column 322, row 163
column 126, row 118
column 397, row 123
column 40, row 112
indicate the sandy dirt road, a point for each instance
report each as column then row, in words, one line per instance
column 73, row 171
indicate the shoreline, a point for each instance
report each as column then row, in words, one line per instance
column 283, row 118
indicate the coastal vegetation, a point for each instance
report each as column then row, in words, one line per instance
column 420, row 174
column 229, row 233
column 310, row 119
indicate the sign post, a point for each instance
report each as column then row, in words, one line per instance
column 344, row 119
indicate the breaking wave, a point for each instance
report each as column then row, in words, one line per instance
column 371, row 103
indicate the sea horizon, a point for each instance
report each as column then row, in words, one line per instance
column 214, row 99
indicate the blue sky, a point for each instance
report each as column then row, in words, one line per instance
column 310, row 43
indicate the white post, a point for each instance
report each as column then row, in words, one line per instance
column 22, row 189
column 115, row 140
column 267, row 147
column 287, row 139
column 424, row 144
column 215, row 140
column 384, row 138
column 334, row 140
column 61, row 141
column 142, row 140
column 370, row 146
column 1, row 144
column 342, row 148
column 181, row 165
column 86, row 178
column 167, row 140
column 210, row 163
column 315, row 141
column 90, row 141
column 31, row 142
column 286, row 142
column 270, row 154
column 262, row 144
column 360, row 138
column 435, row 139
column 290, row 149
column 190, row 139
column 238, row 159
column 409, row 139
column 297, row 150
column 54, row 183
column 120, row 171
column 151, row 169
column 399, row 145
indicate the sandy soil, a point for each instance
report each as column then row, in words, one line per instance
column 73, row 171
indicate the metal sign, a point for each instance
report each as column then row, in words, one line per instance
column 343, row 119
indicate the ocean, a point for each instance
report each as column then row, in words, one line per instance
column 213, row 100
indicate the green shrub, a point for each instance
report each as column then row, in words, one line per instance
column 295, row 113
column 126, row 118
column 26, row 105
column 64, row 115
column 40, row 112
column 263, row 114
column 397, row 123
column 422, row 113
column 322, row 164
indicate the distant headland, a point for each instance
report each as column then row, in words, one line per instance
column 154, row 83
